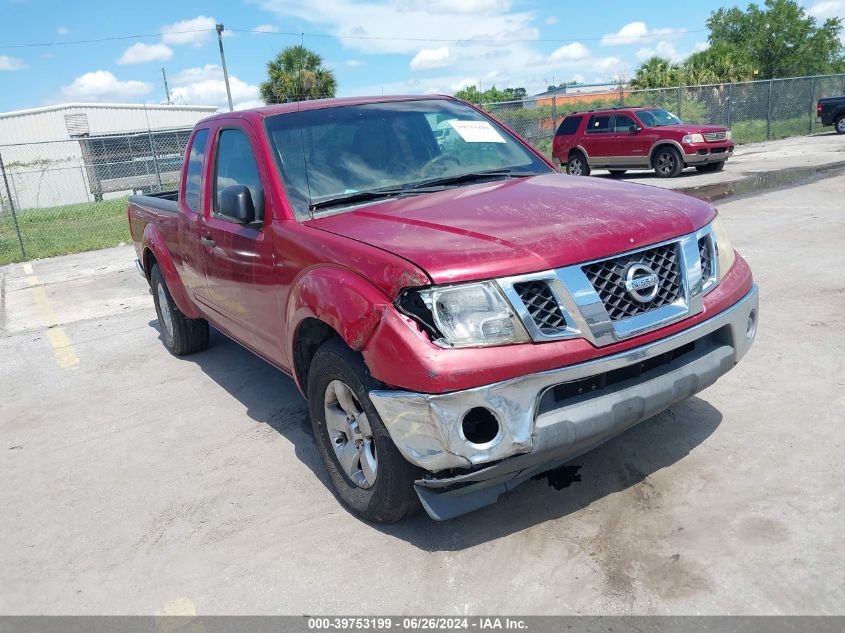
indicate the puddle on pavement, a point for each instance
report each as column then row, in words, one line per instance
column 766, row 181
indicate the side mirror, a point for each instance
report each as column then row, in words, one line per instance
column 236, row 204
column 634, row 129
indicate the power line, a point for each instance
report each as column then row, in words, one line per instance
column 103, row 39
column 471, row 40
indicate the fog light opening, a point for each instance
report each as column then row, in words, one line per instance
column 751, row 326
column 480, row 426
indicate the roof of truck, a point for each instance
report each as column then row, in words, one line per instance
column 317, row 104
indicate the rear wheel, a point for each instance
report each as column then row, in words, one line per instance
column 710, row 167
column 577, row 165
column 667, row 162
column 840, row 125
column 368, row 472
column 617, row 172
column 179, row 334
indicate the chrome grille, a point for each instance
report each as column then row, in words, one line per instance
column 608, row 279
column 541, row 305
column 706, row 256
column 715, row 136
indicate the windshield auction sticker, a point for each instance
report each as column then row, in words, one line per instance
column 476, row 131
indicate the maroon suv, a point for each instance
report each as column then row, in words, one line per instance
column 639, row 138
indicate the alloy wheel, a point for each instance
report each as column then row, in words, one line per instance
column 350, row 434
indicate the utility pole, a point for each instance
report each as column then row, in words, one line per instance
column 166, row 89
column 223, row 62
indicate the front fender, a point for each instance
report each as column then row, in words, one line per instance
column 154, row 242
column 340, row 298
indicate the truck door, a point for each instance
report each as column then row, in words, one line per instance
column 191, row 200
column 239, row 257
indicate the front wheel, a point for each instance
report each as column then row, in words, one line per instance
column 667, row 162
column 577, row 165
column 368, row 473
column 710, row 167
column 840, row 125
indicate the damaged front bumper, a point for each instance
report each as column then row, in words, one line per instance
column 548, row 418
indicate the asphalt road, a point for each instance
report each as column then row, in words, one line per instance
column 134, row 482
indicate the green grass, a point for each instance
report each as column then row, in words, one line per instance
column 64, row 230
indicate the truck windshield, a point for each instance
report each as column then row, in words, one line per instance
column 332, row 158
column 657, row 118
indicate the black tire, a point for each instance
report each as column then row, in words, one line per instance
column 577, row 165
column 188, row 335
column 617, row 172
column 667, row 162
column 839, row 124
column 710, row 168
column 392, row 497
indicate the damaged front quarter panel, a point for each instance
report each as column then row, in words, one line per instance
column 427, row 428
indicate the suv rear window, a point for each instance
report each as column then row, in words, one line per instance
column 569, row 125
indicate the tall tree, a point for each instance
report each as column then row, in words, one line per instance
column 492, row 95
column 296, row 74
column 778, row 39
column 720, row 63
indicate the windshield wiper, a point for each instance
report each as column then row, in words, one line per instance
column 474, row 175
column 358, row 196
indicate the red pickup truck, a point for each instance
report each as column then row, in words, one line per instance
column 620, row 139
column 460, row 316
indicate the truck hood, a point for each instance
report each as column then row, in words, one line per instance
column 520, row 225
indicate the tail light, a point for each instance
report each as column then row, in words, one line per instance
column 818, row 108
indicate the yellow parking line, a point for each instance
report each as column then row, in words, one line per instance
column 63, row 350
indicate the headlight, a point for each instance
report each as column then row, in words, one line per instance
column 465, row 315
column 724, row 248
column 729, row 135
column 692, row 138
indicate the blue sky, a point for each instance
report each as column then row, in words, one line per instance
column 373, row 46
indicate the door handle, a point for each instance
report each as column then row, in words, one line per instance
column 206, row 241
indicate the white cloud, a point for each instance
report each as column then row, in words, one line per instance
column 204, row 85
column 606, row 63
column 429, row 58
column 700, row 46
column 636, row 32
column 194, row 31
column 354, row 63
column 265, row 28
column 570, row 52
column 62, row 30
column 552, row 19
column 663, row 49
column 463, row 83
column 11, row 63
column 101, row 85
column 827, row 9
column 471, row 7
column 141, row 53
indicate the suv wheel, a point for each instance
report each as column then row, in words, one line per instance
column 667, row 162
column 367, row 471
column 577, row 165
column 179, row 334
column 840, row 125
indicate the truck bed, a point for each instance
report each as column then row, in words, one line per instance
column 163, row 201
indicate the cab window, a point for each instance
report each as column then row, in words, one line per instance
column 193, row 175
column 236, row 165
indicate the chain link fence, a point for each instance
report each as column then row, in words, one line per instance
column 755, row 110
column 69, row 196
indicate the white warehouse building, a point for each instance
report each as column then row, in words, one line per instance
column 81, row 152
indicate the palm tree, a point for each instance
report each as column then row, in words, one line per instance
column 297, row 74
column 656, row 72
